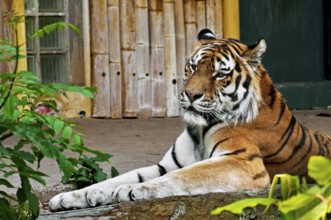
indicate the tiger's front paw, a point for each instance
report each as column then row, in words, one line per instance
column 78, row 199
column 143, row 191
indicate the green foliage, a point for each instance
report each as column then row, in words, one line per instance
column 36, row 136
column 298, row 201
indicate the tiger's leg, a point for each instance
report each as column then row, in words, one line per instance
column 223, row 173
column 179, row 155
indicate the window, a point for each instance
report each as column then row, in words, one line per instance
column 47, row 56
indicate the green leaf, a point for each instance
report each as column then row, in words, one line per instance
column 66, row 133
column 239, row 206
column 114, row 172
column 319, row 168
column 58, row 125
column 6, row 183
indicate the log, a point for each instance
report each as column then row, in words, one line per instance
column 170, row 65
column 157, row 58
column 114, row 59
column 180, row 42
column 180, row 207
column 142, row 59
column 100, row 58
column 128, row 47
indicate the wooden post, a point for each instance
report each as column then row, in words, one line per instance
column 219, row 19
column 142, row 59
column 201, row 14
column 190, row 25
column 129, row 77
column 100, row 57
column 180, row 42
column 157, row 58
column 18, row 7
column 170, row 58
column 114, row 59
column 231, row 19
column 211, row 13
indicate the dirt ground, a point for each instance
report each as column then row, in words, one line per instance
column 137, row 143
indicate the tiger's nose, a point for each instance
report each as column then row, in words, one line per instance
column 193, row 95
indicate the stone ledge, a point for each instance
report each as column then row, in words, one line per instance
column 179, row 207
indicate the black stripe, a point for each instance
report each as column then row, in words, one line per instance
column 225, row 56
column 260, row 175
column 194, row 134
column 299, row 162
column 174, row 156
column 272, row 95
column 254, row 156
column 282, row 110
column 131, row 196
column 236, row 152
column 238, row 68
column 141, row 179
column 297, row 148
column 320, row 145
column 162, row 170
column 245, row 85
column 288, row 132
column 216, row 145
column 211, row 123
column 233, row 95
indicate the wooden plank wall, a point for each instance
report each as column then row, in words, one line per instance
column 139, row 49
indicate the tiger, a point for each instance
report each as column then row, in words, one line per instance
column 239, row 133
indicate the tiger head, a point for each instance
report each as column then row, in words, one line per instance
column 222, row 81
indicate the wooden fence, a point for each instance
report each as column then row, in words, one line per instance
column 139, row 48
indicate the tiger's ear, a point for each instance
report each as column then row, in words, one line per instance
column 205, row 36
column 254, row 52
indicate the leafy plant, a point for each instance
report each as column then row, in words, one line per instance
column 88, row 172
column 36, row 135
column 298, row 201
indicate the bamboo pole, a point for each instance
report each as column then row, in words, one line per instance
column 129, row 77
column 201, row 14
column 100, row 57
column 18, row 7
column 170, row 58
column 219, row 19
column 190, row 25
column 211, row 13
column 231, row 19
column 142, row 59
column 115, row 59
column 180, row 41
column 157, row 58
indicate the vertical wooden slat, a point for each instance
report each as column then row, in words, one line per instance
column 210, row 11
column 190, row 25
column 115, row 59
column 201, row 14
column 231, row 19
column 157, row 58
column 100, row 57
column 142, row 59
column 180, row 41
column 5, row 32
column 170, row 58
column 219, row 19
column 129, row 77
